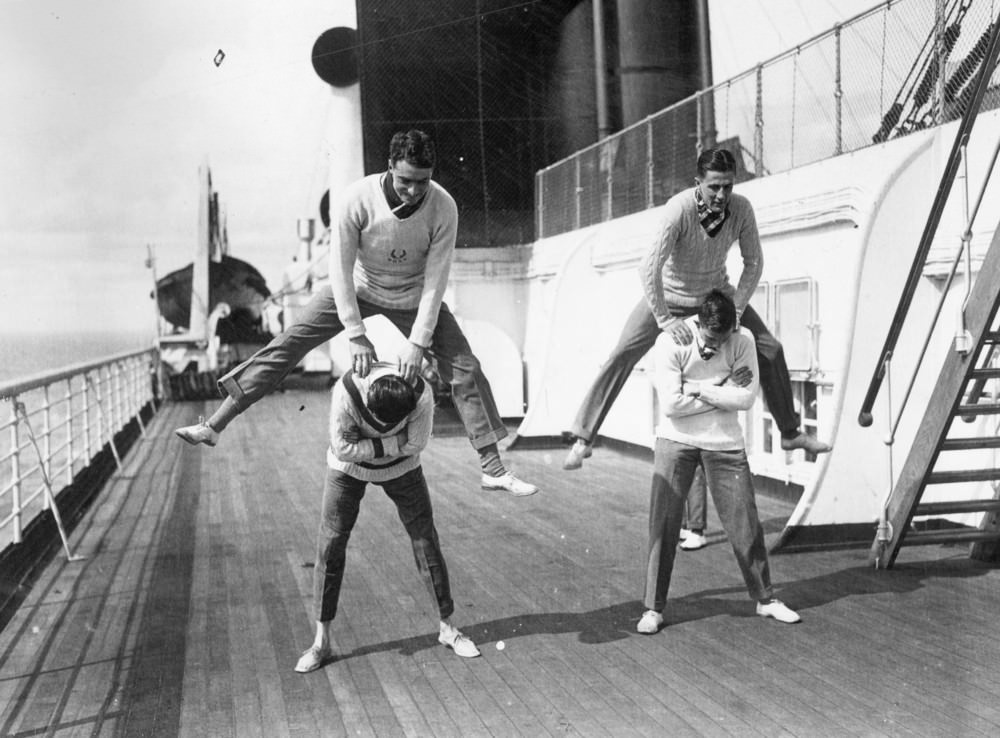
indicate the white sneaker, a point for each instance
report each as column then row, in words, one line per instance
column 650, row 622
column 313, row 658
column 577, row 453
column 462, row 645
column 685, row 533
column 510, row 483
column 694, row 541
column 200, row 433
column 779, row 611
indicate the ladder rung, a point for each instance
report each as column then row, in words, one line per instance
column 966, row 475
column 961, row 444
column 957, row 506
column 948, row 535
column 978, row 409
column 992, row 372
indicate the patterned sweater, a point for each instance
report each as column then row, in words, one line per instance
column 388, row 261
column 711, row 421
column 685, row 264
column 379, row 455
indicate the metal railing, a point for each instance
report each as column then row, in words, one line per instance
column 955, row 159
column 56, row 423
column 897, row 68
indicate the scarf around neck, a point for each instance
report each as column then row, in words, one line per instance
column 710, row 221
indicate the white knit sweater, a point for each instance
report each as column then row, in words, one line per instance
column 388, row 261
column 685, row 263
column 711, row 421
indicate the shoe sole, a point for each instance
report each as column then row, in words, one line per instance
column 509, row 491
column 193, row 442
column 778, row 620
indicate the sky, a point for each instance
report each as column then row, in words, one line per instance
column 111, row 106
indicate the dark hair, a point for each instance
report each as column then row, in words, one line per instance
column 717, row 312
column 391, row 398
column 716, row 160
column 416, row 147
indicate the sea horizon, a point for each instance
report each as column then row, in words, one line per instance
column 28, row 354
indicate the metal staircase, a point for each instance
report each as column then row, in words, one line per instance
column 952, row 397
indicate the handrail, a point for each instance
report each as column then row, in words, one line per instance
column 36, row 381
column 930, row 228
column 58, row 422
column 964, row 249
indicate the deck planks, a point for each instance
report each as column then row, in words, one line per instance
column 194, row 602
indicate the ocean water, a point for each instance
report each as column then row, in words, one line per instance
column 25, row 355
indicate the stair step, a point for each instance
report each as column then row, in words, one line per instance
column 965, row 475
column 957, row 506
column 992, row 372
column 991, row 337
column 978, row 409
column 961, row 444
column 953, row 535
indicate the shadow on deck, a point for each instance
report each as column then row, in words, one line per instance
column 193, row 603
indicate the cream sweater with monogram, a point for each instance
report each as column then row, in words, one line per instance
column 393, row 263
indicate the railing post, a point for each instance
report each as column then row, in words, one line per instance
column 577, row 192
column 838, row 96
column 939, row 59
column 609, row 178
column 46, row 441
column 758, row 133
column 87, row 441
column 15, row 471
column 650, row 167
column 69, row 430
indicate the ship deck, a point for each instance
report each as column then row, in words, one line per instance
column 192, row 603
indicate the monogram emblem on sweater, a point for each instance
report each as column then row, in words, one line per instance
column 397, row 256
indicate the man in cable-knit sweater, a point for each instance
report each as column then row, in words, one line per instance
column 687, row 261
column 702, row 386
column 379, row 424
column 391, row 251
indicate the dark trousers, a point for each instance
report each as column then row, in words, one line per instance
column 728, row 477
column 456, row 364
column 341, row 502
column 638, row 337
column 696, row 509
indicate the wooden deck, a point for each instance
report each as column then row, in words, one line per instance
column 193, row 603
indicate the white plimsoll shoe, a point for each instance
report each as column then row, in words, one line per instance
column 650, row 622
column 453, row 638
column 510, row 483
column 694, row 541
column 200, row 433
column 577, row 453
column 779, row 611
column 685, row 532
column 313, row 658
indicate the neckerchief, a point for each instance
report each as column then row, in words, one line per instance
column 710, row 221
column 395, row 201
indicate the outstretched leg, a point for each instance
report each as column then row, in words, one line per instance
column 776, row 385
column 262, row 372
column 637, row 337
column 471, row 394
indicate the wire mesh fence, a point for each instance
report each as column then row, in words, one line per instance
column 900, row 67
